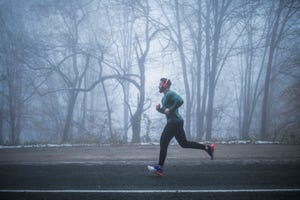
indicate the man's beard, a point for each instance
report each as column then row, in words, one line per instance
column 161, row 90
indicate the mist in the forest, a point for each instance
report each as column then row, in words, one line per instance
column 87, row 71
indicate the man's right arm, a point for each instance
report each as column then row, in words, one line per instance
column 159, row 109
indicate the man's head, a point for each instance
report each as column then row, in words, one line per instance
column 164, row 85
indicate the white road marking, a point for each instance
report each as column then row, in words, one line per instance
column 154, row 191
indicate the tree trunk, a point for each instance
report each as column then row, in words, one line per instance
column 206, row 68
column 246, row 88
column 70, row 110
column 83, row 110
column 136, row 127
column 14, row 101
column 185, row 76
column 136, row 118
column 265, row 104
column 1, row 119
column 108, row 113
column 141, row 58
column 199, row 75
column 212, row 75
column 219, row 12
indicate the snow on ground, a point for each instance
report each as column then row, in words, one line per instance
column 142, row 144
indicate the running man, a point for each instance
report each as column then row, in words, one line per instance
column 174, row 127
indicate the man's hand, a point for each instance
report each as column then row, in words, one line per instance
column 157, row 107
column 167, row 111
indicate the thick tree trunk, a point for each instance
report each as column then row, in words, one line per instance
column 70, row 110
column 137, row 117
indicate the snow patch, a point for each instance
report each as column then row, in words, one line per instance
column 46, row 146
column 142, row 144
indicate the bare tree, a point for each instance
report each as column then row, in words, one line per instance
column 73, row 62
column 142, row 52
column 288, row 130
column 121, row 19
column 207, row 65
column 249, row 90
column 220, row 10
column 65, row 62
column 277, row 29
column 15, row 86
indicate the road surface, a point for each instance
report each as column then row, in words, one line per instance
column 254, row 172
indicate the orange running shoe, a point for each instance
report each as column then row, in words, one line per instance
column 210, row 150
column 156, row 169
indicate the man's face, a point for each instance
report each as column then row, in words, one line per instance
column 160, row 87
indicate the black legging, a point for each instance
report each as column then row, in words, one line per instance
column 175, row 129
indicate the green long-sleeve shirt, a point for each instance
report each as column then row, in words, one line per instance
column 172, row 101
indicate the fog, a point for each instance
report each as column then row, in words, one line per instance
column 87, row 71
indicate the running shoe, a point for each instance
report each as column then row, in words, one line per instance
column 210, row 150
column 156, row 169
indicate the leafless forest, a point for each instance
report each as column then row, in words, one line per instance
column 87, row 71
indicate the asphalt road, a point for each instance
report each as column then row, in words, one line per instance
column 211, row 180
column 119, row 172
